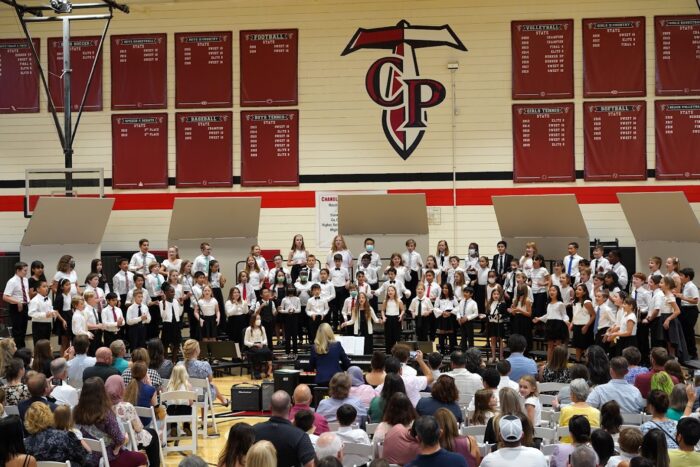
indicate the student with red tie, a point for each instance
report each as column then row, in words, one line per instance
column 16, row 295
column 112, row 318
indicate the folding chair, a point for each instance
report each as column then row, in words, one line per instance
column 465, row 398
column 52, row 464
column 477, row 431
column 547, row 399
column 548, row 449
column 485, row 449
column 333, row 426
column 546, row 434
column 371, row 428
column 149, row 412
column 356, row 454
column 201, row 387
column 562, row 431
column 635, row 418
column 129, row 431
column 98, row 446
column 550, row 417
column 550, row 387
column 191, row 419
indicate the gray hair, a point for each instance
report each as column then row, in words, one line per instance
column 473, row 359
column 583, row 456
column 579, row 389
column 328, row 444
column 193, row 461
column 58, row 366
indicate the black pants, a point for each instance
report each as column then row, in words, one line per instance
column 269, row 331
column 392, row 332
column 41, row 331
column 109, row 337
column 235, row 327
column 152, row 451
column 688, row 318
column 137, row 336
column 153, row 328
column 96, row 342
column 195, row 329
column 291, row 325
column 341, row 293
column 18, row 321
column 643, row 339
column 467, row 335
column 443, row 340
column 314, row 323
column 422, row 328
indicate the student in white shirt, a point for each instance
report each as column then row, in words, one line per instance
column 495, row 312
column 421, row 309
column 341, row 248
column 567, row 293
column 655, row 266
column 42, row 313
column 346, row 415
column 442, row 257
column 303, row 288
column 599, row 263
column 93, row 315
column 256, row 252
column 452, row 269
column 256, row 275
column 375, row 259
column 509, row 284
column 217, row 281
column 642, row 296
column 16, row 295
column 362, row 285
column 153, row 283
column 348, row 305
column 208, row 314
column 112, row 318
column 689, row 308
column 571, row 260
column 92, row 284
column 340, row 278
column 327, row 288
column 605, row 317
column 392, row 281
column 665, row 328
column 172, row 262
column 259, row 353
column 582, row 321
column 316, row 310
column 312, row 270
column 482, row 276
column 557, row 272
column 237, row 312
column 62, row 304
column 296, row 259
column 370, row 271
column 362, row 318
column 137, row 316
column 139, row 282
column 624, row 333
column 246, row 290
column 141, row 259
column 467, row 312
column 471, row 261
column 202, row 262
column 400, row 270
column 618, row 268
column 527, row 260
column 123, row 281
column 446, row 311
column 557, row 321
column 289, row 310
column 672, row 271
column 414, row 265
column 66, row 270
column 458, row 283
column 79, row 323
column 521, row 312
column 392, row 317
column 539, row 277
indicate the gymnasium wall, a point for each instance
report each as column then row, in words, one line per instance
column 342, row 145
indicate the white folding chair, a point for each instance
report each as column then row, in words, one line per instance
column 465, row 398
column 11, row 410
column 622, row 427
column 635, row 418
column 191, row 419
column 477, row 431
column 548, row 435
column 550, row 417
column 149, row 412
column 548, row 449
column 562, row 431
column 370, row 428
column 333, row 426
column 98, row 446
column 550, row 387
column 546, row 399
column 201, row 386
column 356, row 454
column 485, row 449
column 52, row 464
column 129, row 431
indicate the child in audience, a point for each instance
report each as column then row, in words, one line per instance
column 485, row 407
column 63, row 420
column 530, row 394
column 346, row 415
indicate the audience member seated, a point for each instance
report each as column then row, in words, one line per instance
column 360, row 390
column 196, row 369
column 15, row 390
column 376, row 375
column 399, row 412
column 264, row 454
column 12, row 451
column 583, row 456
column 118, row 349
column 339, row 394
column 466, row 381
column 414, row 384
column 147, row 438
column 630, row 441
column 512, row 452
column 579, row 435
column 62, row 393
column 393, row 383
column 511, row 404
column 657, row 405
column 579, row 393
column 39, row 388
column 658, row 357
column 450, row 439
column 346, row 415
column 681, row 401
column 674, row 368
column 78, row 360
column 556, row 370
column 141, row 355
column 611, row 418
column 626, row 395
column 654, row 448
column 7, row 353
column 576, row 371
column 491, row 379
column 520, row 364
column 687, row 437
column 139, row 392
column 46, row 443
column 43, row 355
column 504, row 370
column 103, row 368
column 443, row 393
column 402, row 352
column 304, row 420
column 598, row 365
column 435, row 363
column 158, row 362
column 302, row 401
column 485, row 407
column 634, row 358
column 94, row 417
column 293, row 445
column 329, row 445
column 603, row 445
column 430, row 453
column 327, row 356
column 240, row 438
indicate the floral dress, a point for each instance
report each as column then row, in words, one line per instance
column 16, row 393
column 126, row 413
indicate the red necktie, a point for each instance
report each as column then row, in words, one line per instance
column 428, row 290
column 245, row 293
column 352, row 304
column 126, row 275
column 114, row 314
column 24, row 291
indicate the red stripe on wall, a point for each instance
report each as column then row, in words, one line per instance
column 434, row 197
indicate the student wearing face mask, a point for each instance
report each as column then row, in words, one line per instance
column 348, row 306
column 303, row 288
column 255, row 339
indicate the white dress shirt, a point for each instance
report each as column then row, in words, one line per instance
column 574, row 260
column 201, row 263
column 339, row 276
column 132, row 314
column 467, row 309
column 79, row 324
column 13, row 288
column 236, row 308
column 39, row 307
column 171, row 312
column 123, row 281
column 317, row 306
column 401, row 289
column 130, row 296
column 621, row 272
column 140, row 261
column 108, row 318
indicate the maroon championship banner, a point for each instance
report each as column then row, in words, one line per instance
column 677, row 40
column 139, row 151
column 677, row 140
column 543, row 143
column 82, row 55
column 139, row 72
column 203, row 70
column 204, row 149
column 614, row 135
column 18, row 73
column 269, row 68
column 543, row 59
column 614, row 57
column 270, row 148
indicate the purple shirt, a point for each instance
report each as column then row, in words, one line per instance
column 320, row 422
column 329, row 407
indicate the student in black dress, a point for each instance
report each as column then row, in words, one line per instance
column 36, row 270
column 62, row 304
column 267, row 312
column 446, row 312
column 496, row 311
column 96, row 268
column 361, row 322
column 171, row 314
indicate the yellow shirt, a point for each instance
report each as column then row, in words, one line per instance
column 683, row 458
column 568, row 411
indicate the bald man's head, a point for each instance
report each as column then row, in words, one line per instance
column 103, row 355
column 302, row 395
column 280, row 404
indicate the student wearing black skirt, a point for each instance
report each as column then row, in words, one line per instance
column 521, row 315
column 62, row 303
column 624, row 333
column 582, row 322
column 445, row 311
column 361, row 322
column 208, row 314
column 495, row 311
column 557, row 321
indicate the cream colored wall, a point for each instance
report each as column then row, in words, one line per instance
column 340, row 128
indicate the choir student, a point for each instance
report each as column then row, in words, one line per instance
column 237, row 312
column 556, row 320
column 171, row 316
column 392, row 317
column 361, row 322
column 445, row 311
column 296, row 259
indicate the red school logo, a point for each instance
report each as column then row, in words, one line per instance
column 394, row 82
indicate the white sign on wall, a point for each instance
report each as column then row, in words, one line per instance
column 327, row 213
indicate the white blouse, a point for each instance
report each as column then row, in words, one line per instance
column 235, row 308
column 207, row 307
column 581, row 316
column 392, row 308
column 555, row 311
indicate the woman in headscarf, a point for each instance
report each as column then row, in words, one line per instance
column 360, row 390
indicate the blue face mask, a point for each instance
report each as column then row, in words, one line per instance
column 369, row 248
